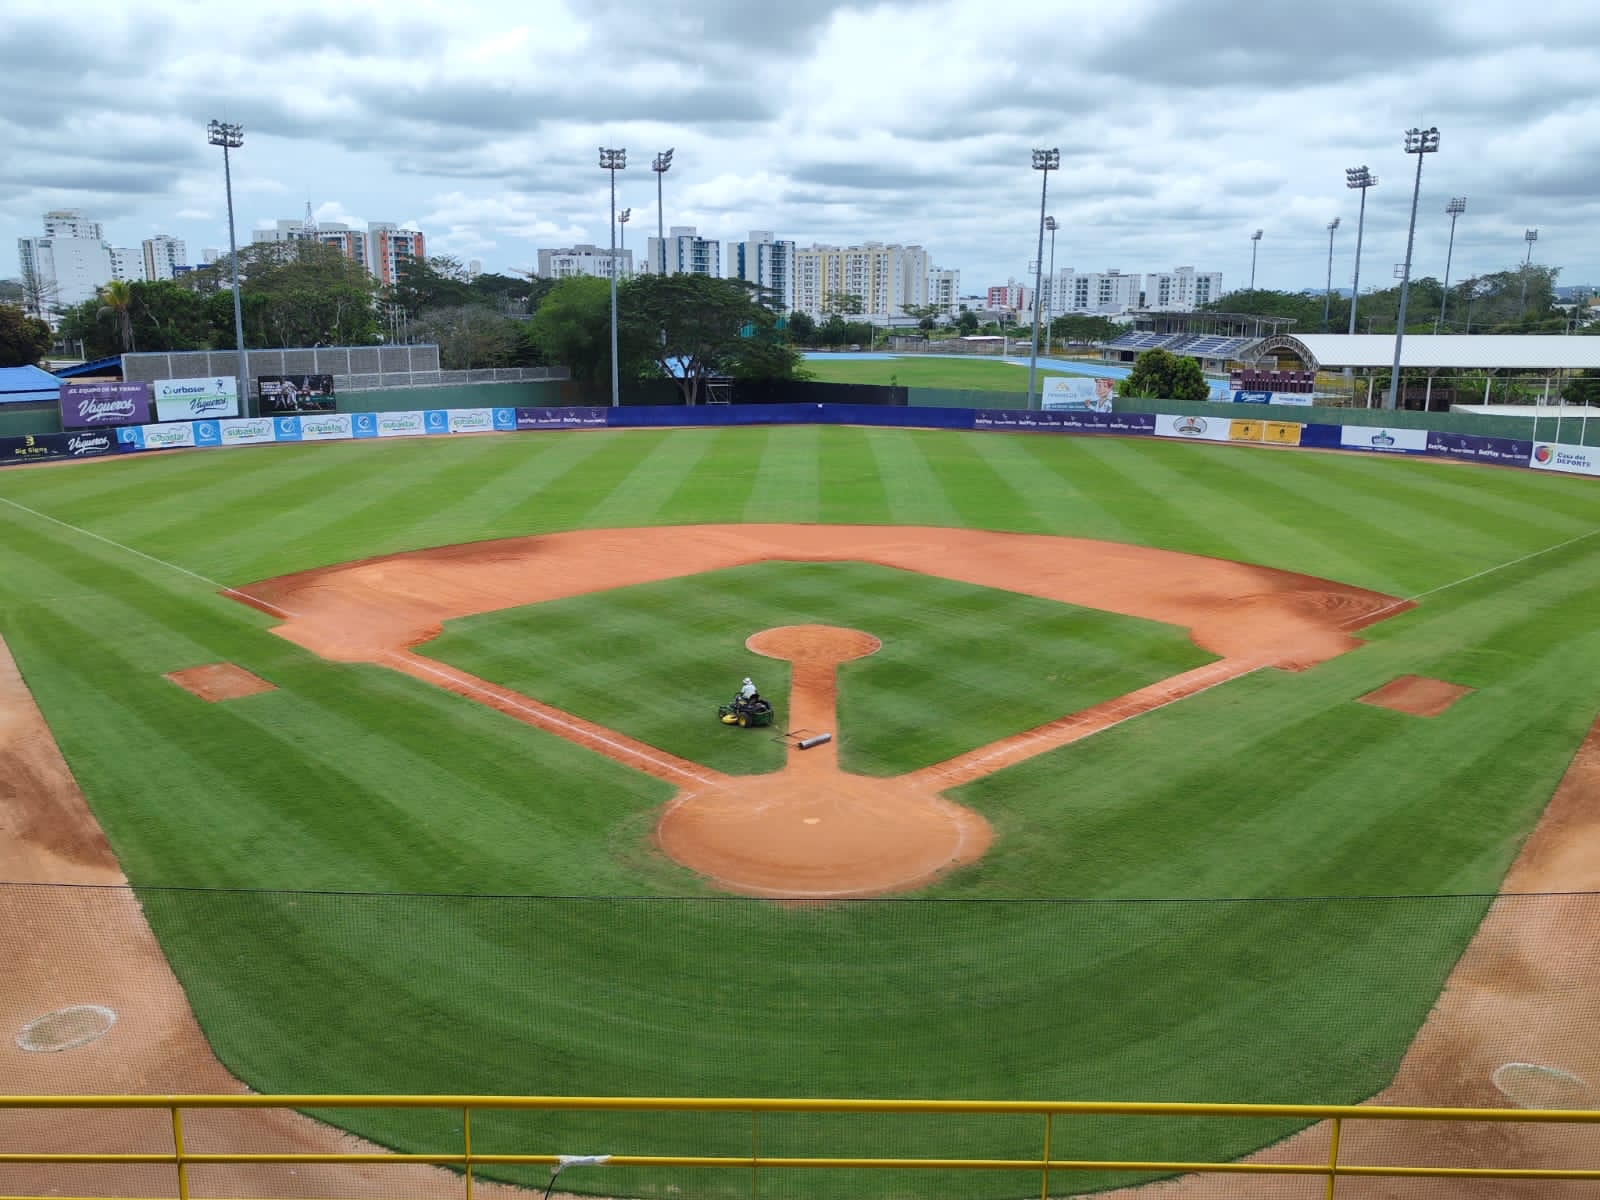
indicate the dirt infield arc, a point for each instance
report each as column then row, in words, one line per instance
column 812, row 831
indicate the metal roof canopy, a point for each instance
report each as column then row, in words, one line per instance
column 1492, row 351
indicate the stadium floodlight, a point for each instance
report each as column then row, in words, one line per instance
column 614, row 161
column 1530, row 236
column 1044, row 161
column 1327, row 295
column 1052, row 225
column 1457, row 206
column 1255, row 240
column 231, row 137
column 622, row 235
column 1358, row 177
column 1420, row 142
column 661, row 165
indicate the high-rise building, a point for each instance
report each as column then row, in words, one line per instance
column 767, row 263
column 687, row 253
column 390, row 248
column 162, row 254
column 66, row 266
column 879, row 281
column 944, row 290
column 584, row 259
column 127, row 264
column 383, row 249
column 1107, row 292
column 1010, row 297
column 1182, row 289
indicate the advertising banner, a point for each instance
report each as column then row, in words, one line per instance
column 166, row 437
column 401, row 424
column 286, row 429
column 1473, row 448
column 1078, row 391
column 1562, row 456
column 330, row 427
column 192, row 399
column 45, row 447
column 471, row 420
column 1065, row 419
column 1195, row 429
column 560, row 418
column 87, row 405
column 245, row 431
column 1384, row 441
column 505, row 420
column 208, row 433
column 296, row 394
column 1298, row 398
column 435, row 420
column 1276, row 433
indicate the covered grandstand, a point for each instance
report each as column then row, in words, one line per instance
column 1214, row 338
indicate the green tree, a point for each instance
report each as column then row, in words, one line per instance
column 84, row 324
column 572, row 327
column 469, row 336
column 292, row 294
column 433, row 283
column 1583, row 388
column 927, row 315
column 23, row 339
column 1083, row 328
column 169, row 316
column 844, row 304
column 801, row 328
column 967, row 323
column 116, row 301
column 695, row 326
column 1158, row 375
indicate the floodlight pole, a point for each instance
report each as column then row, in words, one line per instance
column 614, row 161
column 1044, row 161
column 661, row 165
column 1255, row 240
column 1050, row 307
column 231, row 137
column 1530, row 236
column 1420, row 142
column 622, row 235
column 1457, row 206
column 1327, row 295
column 1358, row 177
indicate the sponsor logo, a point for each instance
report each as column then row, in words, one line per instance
column 364, row 422
column 1190, row 426
column 206, row 430
column 286, row 426
column 88, row 443
column 323, row 426
column 247, row 431
column 101, row 410
column 436, row 420
column 201, row 405
column 168, row 437
column 1542, row 454
column 1383, row 439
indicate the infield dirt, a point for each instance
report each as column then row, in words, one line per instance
column 1527, row 971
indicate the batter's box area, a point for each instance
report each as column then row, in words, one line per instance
column 1416, row 694
column 219, row 681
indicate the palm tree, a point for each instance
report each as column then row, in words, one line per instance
column 116, row 298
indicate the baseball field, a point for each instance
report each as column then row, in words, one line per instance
column 1109, row 811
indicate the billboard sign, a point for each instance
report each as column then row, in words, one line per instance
column 560, row 418
column 1561, row 456
column 1195, row 429
column 471, row 420
column 400, row 424
column 1063, row 419
column 325, row 427
column 193, row 399
column 89, row 405
column 1301, row 399
column 246, row 431
column 296, row 394
column 44, row 447
column 1383, row 441
column 1078, row 392
column 1473, row 448
column 167, row 436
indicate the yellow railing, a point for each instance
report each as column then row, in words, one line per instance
column 466, row 1160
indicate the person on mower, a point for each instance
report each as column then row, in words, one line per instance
column 747, row 691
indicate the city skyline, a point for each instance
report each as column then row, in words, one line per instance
column 1181, row 128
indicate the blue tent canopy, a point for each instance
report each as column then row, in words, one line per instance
column 28, row 385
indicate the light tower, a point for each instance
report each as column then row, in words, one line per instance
column 1457, row 206
column 661, row 165
column 231, row 137
column 1531, row 236
column 1044, row 161
column 1420, row 142
column 622, row 236
column 1050, row 304
column 1358, row 177
column 1255, row 240
column 1327, row 296
column 614, row 161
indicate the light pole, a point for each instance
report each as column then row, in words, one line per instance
column 1044, row 161
column 231, row 137
column 1420, row 142
column 1050, row 307
column 614, row 161
column 1358, row 177
column 1457, row 206
column 1530, row 236
column 661, row 165
column 1327, row 295
column 622, row 235
column 1255, row 240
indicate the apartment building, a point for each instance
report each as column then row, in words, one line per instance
column 584, row 259
column 944, row 290
column 383, row 248
column 883, row 280
column 769, row 264
column 1183, row 289
column 684, row 252
column 1105, row 293
column 163, row 254
column 67, row 265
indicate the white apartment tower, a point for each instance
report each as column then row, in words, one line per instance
column 767, row 263
column 1107, row 293
column 885, row 280
column 584, row 259
column 687, row 253
column 383, row 249
column 944, row 289
column 161, row 254
column 66, row 266
column 1182, row 289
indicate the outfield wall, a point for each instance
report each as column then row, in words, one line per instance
column 1208, row 425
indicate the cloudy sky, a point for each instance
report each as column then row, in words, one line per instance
column 1182, row 125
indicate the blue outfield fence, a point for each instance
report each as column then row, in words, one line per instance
column 308, row 427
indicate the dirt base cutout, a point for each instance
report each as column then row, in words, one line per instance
column 1416, row 694
column 219, row 681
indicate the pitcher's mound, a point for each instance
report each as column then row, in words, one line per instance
column 1417, row 695
column 219, row 681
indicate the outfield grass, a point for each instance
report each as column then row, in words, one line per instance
column 616, row 971
column 974, row 374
